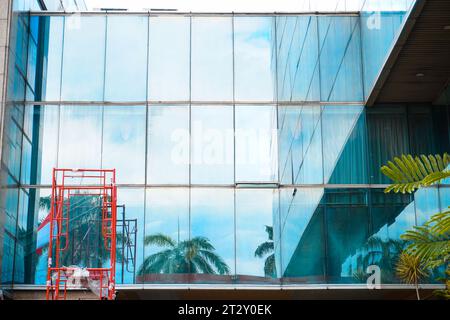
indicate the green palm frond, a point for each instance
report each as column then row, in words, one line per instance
column 264, row 248
column 411, row 269
column 410, row 173
column 45, row 203
column 196, row 255
column 430, row 242
column 201, row 243
column 216, row 261
column 160, row 240
column 440, row 223
column 270, row 267
column 269, row 231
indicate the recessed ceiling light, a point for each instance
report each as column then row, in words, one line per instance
column 420, row 75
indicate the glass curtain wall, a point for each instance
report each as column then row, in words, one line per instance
column 243, row 139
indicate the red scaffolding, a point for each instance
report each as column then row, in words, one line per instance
column 67, row 184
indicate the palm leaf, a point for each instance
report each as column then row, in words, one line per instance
column 430, row 242
column 269, row 231
column 263, row 249
column 203, row 265
column 201, row 243
column 409, row 174
column 411, row 269
column 159, row 240
column 154, row 263
column 270, row 267
column 216, row 261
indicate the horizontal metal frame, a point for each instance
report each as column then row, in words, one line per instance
column 186, row 102
column 193, row 14
column 25, row 287
column 238, row 185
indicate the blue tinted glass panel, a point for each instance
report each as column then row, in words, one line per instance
column 42, row 235
column 378, row 30
column 169, row 64
column 255, row 256
column 130, row 240
column 348, row 84
column 167, row 219
column 50, row 130
column 80, row 129
column 168, row 145
column 302, row 236
column 252, row 50
column 7, row 260
column 11, row 203
column 83, row 70
column 212, row 59
column 212, row 155
column 124, row 142
column 391, row 215
column 444, row 196
column 337, row 38
column 256, row 143
column 347, row 223
column 344, row 144
column 311, row 168
column 426, row 204
column 52, row 83
column 305, row 83
column 126, row 58
column 388, row 137
column 211, row 208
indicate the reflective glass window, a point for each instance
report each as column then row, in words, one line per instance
column 211, row 208
column 212, row 155
column 167, row 243
column 256, row 143
column 255, row 251
column 49, row 116
column 212, row 59
column 347, row 227
column 169, row 59
column 168, row 145
column 344, row 144
column 337, row 38
column 305, row 82
column 123, row 141
column 388, row 138
column 83, row 70
column 252, row 50
column 348, row 82
column 80, row 129
column 130, row 234
column 391, row 216
column 310, row 168
column 42, row 235
column 302, row 235
column 426, row 204
column 378, row 30
column 126, row 58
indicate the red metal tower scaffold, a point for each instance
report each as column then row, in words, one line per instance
column 68, row 185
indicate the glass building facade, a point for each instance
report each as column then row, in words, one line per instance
column 247, row 132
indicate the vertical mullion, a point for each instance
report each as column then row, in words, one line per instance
column 324, row 219
column 234, row 142
column 60, row 91
column 146, row 138
column 190, row 134
column 105, row 51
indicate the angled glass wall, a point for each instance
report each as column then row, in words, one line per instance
column 244, row 139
